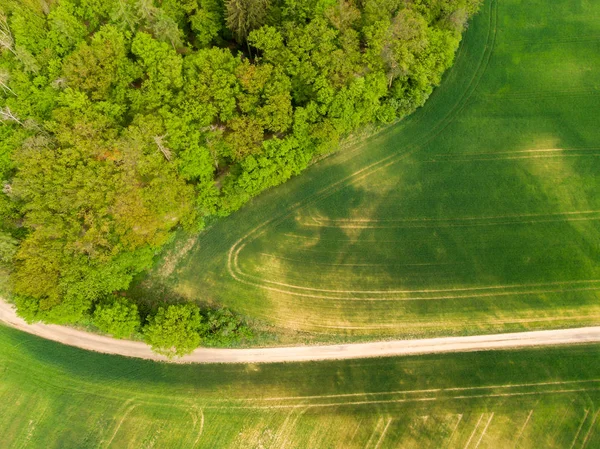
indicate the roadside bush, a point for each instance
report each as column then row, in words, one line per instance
column 223, row 328
column 174, row 330
column 119, row 318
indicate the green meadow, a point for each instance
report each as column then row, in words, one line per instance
column 478, row 213
column 54, row 396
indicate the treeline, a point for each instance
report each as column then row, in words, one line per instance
column 124, row 119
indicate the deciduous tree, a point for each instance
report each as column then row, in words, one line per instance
column 117, row 317
column 174, row 330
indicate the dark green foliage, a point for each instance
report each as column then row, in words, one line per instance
column 222, row 328
column 122, row 120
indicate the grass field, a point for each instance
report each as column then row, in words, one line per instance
column 479, row 213
column 54, row 396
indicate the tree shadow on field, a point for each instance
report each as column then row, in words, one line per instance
column 472, row 224
column 150, row 294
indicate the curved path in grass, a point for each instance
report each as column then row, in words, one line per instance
column 128, row 348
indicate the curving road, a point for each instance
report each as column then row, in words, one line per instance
column 107, row 345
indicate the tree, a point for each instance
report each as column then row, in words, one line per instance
column 163, row 27
column 245, row 136
column 98, row 68
column 243, row 16
column 223, row 328
column 174, row 330
column 265, row 96
column 207, row 21
column 66, row 29
column 210, row 86
column 161, row 67
column 118, row 317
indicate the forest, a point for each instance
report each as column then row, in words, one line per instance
column 125, row 120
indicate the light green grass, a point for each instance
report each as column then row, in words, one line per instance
column 54, row 396
column 479, row 213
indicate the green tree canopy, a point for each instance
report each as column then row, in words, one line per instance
column 117, row 317
column 174, row 330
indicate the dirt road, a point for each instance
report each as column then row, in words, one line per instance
column 93, row 342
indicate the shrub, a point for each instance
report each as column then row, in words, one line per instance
column 174, row 330
column 120, row 318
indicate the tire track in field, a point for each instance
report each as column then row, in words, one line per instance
column 587, row 412
column 323, row 293
column 446, row 325
column 484, row 430
column 379, row 422
column 422, row 391
column 355, row 431
column 128, row 410
column 409, row 400
column 474, row 431
column 458, row 421
column 468, row 218
column 567, row 40
column 383, row 433
column 590, row 431
column 365, row 225
column 540, row 95
column 437, row 298
column 200, row 431
column 291, row 259
column 518, row 438
column 427, row 223
column 539, row 150
column 512, row 158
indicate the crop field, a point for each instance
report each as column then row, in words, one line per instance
column 54, row 396
column 478, row 213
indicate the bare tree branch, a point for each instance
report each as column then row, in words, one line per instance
column 158, row 140
column 6, row 115
column 4, row 77
column 6, row 38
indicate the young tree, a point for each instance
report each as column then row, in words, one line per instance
column 207, row 21
column 97, row 68
column 161, row 67
column 174, row 330
column 119, row 317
